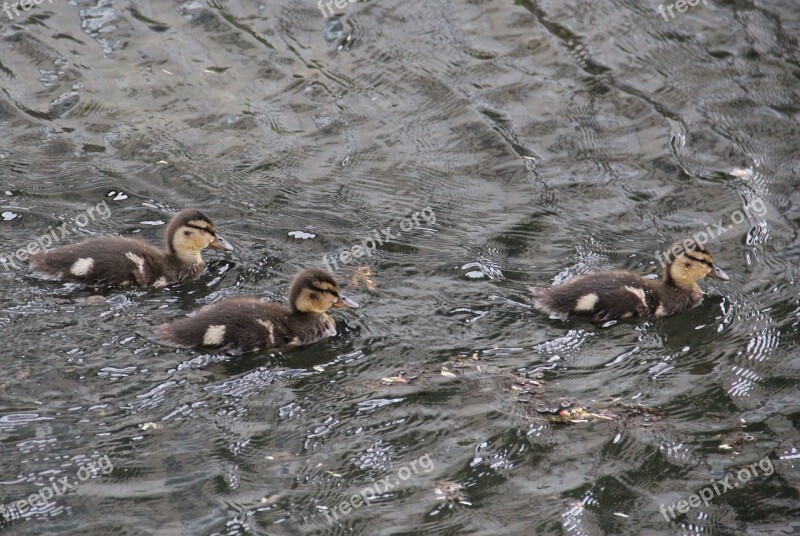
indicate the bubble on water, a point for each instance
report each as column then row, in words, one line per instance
column 301, row 235
column 334, row 29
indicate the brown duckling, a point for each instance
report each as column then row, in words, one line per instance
column 119, row 261
column 245, row 324
column 610, row 295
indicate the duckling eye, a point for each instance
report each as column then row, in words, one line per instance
column 313, row 295
column 187, row 233
column 686, row 264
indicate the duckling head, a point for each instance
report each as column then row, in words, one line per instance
column 190, row 232
column 315, row 291
column 691, row 262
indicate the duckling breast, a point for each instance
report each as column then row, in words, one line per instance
column 674, row 300
column 311, row 329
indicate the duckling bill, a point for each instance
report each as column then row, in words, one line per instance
column 611, row 295
column 248, row 324
column 118, row 261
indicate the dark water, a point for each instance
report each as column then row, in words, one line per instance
column 547, row 139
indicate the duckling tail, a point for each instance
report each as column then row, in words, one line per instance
column 536, row 291
column 542, row 300
column 39, row 264
column 179, row 334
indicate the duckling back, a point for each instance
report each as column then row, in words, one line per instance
column 105, row 261
column 120, row 261
column 599, row 296
column 238, row 325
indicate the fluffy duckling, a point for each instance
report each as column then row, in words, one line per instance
column 604, row 296
column 245, row 324
column 118, row 261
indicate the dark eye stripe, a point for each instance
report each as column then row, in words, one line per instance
column 206, row 229
column 329, row 291
column 707, row 263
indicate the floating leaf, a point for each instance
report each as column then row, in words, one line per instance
column 391, row 380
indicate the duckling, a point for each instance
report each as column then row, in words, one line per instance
column 118, row 261
column 611, row 295
column 245, row 324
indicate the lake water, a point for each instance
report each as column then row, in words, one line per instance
column 534, row 140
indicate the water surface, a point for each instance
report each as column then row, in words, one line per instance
column 549, row 138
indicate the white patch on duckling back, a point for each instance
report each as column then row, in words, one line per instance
column 639, row 293
column 586, row 302
column 270, row 329
column 160, row 282
column 661, row 311
column 214, row 335
column 82, row 266
column 137, row 260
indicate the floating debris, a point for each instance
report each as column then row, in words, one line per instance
column 736, row 439
column 95, row 299
column 452, row 492
column 461, row 364
column 447, row 373
column 400, row 378
column 574, row 416
column 742, row 173
column 279, row 456
column 564, row 413
column 362, row 275
column 521, row 385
